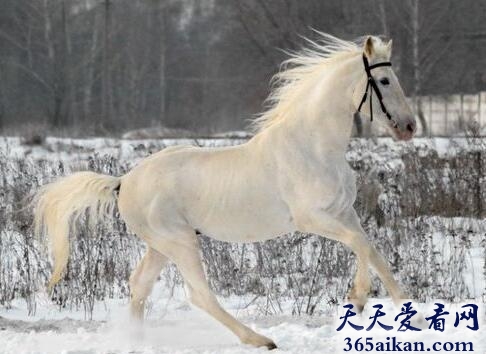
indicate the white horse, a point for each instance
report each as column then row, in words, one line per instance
column 292, row 175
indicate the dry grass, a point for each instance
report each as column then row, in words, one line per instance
column 396, row 201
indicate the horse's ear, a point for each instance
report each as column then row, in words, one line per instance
column 389, row 47
column 369, row 50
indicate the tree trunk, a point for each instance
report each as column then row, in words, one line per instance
column 53, row 110
column 163, row 43
column 417, row 75
column 2, row 101
column 382, row 13
column 66, row 80
column 421, row 116
column 106, row 77
column 89, row 74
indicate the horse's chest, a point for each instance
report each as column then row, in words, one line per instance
column 338, row 191
column 331, row 188
column 343, row 197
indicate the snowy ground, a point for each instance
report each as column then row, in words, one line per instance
column 175, row 327
column 172, row 326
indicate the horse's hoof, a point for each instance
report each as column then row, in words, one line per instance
column 359, row 308
column 259, row 341
column 271, row 346
column 358, row 300
column 358, row 305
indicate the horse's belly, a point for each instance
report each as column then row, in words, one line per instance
column 247, row 224
column 238, row 232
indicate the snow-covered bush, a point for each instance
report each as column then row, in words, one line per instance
column 421, row 204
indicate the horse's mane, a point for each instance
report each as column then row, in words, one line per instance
column 309, row 61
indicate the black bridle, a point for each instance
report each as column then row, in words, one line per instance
column 371, row 85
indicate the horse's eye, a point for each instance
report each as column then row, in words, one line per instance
column 384, row 81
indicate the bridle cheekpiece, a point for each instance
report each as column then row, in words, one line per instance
column 371, row 85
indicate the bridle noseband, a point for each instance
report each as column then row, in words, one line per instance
column 371, row 85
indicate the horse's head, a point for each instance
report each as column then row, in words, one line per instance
column 388, row 104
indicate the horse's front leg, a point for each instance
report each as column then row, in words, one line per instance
column 347, row 229
column 358, row 294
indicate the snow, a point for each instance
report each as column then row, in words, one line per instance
column 172, row 326
column 187, row 330
column 55, row 149
column 175, row 327
column 66, row 149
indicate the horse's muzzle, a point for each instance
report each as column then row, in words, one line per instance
column 406, row 131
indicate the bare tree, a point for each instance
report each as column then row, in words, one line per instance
column 89, row 66
column 106, row 94
column 424, row 25
column 163, row 27
column 84, row 64
column 383, row 18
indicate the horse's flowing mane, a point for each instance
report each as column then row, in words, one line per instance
column 309, row 61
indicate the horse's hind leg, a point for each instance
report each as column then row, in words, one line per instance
column 184, row 252
column 142, row 281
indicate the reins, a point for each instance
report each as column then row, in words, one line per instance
column 371, row 85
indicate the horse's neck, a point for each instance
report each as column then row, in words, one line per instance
column 322, row 120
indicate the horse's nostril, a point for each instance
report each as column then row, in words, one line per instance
column 411, row 127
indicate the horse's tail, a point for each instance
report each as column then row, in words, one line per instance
column 58, row 205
